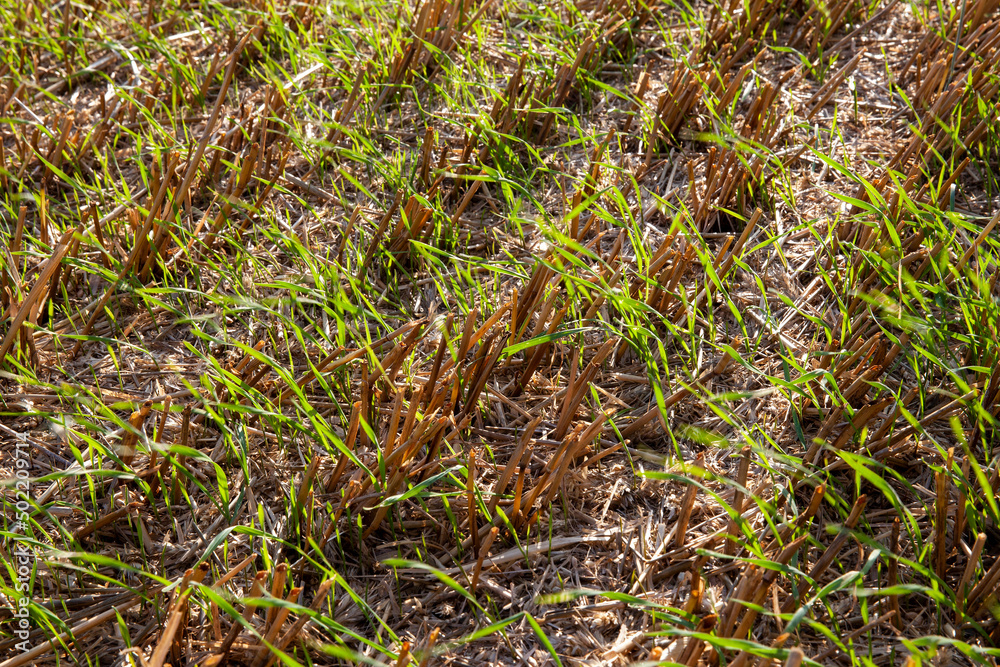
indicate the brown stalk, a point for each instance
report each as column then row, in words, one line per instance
column 959, row 520
column 388, row 367
column 970, row 569
column 697, row 593
column 830, row 553
column 514, row 337
column 213, row 70
column 940, row 413
column 394, row 483
column 400, row 235
column 15, row 244
column 472, row 510
column 353, row 490
column 695, row 647
column 432, row 461
column 425, row 162
column 352, row 432
column 485, row 367
column 175, row 488
column 89, row 528
column 346, row 235
column 429, row 649
column 154, row 451
column 256, row 590
column 557, row 469
column 179, row 606
column 741, row 480
column 136, row 423
column 749, row 579
column 469, row 194
column 470, row 325
column 236, row 569
column 710, row 176
column 942, row 479
column 687, row 506
column 549, row 477
column 37, row 292
column 158, row 434
column 679, row 269
column 481, row 551
column 769, row 577
column 589, row 434
column 576, row 391
column 240, row 181
column 56, row 281
column 155, row 476
column 814, row 503
column 404, row 655
column 641, row 86
column 4, row 183
column 277, row 590
column 389, row 439
column 894, row 572
column 177, row 615
column 408, row 422
column 977, row 599
column 677, row 396
column 264, row 653
column 160, row 229
column 431, row 427
column 55, row 156
column 515, row 508
column 865, row 347
column 795, row 657
column 518, row 385
column 946, row 186
column 432, row 380
column 376, row 239
column 565, row 79
column 723, row 266
column 301, row 621
column 612, row 284
column 860, row 420
column 307, row 479
column 279, row 172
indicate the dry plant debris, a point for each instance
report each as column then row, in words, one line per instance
column 499, row 332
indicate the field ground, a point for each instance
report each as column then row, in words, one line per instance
column 499, row 332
